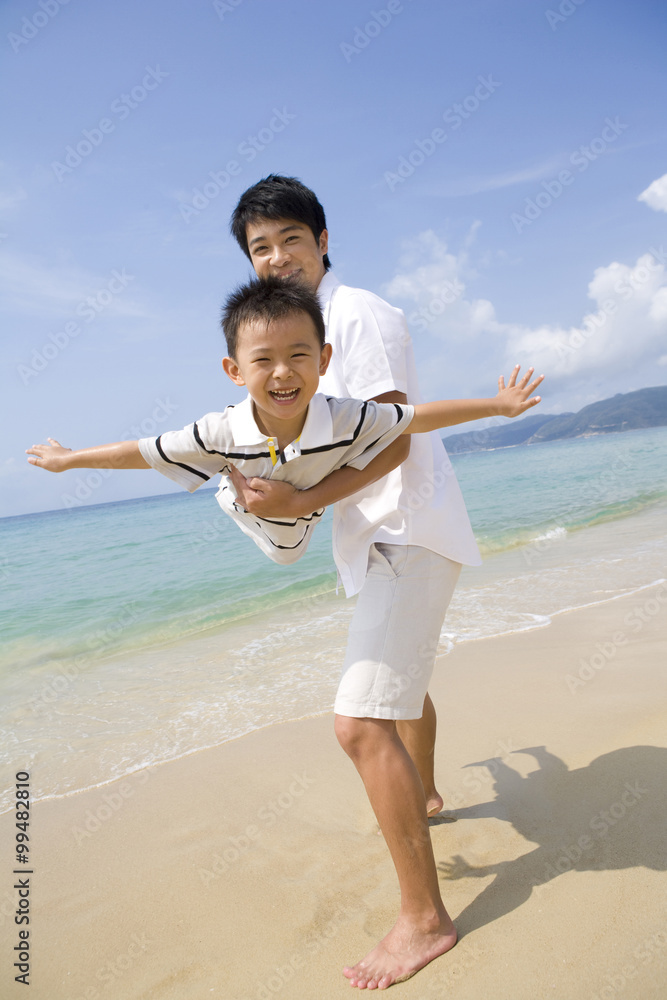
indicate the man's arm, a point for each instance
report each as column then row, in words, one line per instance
column 119, row 455
column 275, row 498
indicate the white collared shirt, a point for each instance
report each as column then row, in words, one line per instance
column 336, row 432
column 419, row 503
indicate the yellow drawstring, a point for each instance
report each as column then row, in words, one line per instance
column 272, row 449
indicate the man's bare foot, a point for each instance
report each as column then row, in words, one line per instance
column 434, row 803
column 404, row 951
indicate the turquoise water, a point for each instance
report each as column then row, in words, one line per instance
column 138, row 631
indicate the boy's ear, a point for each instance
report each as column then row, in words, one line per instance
column 325, row 358
column 232, row 370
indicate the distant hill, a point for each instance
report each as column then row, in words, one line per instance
column 623, row 412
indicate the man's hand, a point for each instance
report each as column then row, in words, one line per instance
column 52, row 457
column 513, row 399
column 266, row 497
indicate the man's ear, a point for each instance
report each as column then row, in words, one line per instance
column 324, row 242
column 325, row 358
column 232, row 370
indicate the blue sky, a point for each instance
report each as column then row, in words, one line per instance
column 494, row 167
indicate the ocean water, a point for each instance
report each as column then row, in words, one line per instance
column 140, row 631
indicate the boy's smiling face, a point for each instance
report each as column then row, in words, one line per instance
column 280, row 363
column 286, row 248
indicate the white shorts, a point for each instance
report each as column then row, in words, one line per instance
column 394, row 632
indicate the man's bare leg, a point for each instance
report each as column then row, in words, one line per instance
column 424, row 929
column 418, row 737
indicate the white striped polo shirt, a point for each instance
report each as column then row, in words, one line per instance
column 337, row 432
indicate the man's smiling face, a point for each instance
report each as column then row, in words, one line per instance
column 286, row 248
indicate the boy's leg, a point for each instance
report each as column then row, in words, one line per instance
column 424, row 929
column 418, row 737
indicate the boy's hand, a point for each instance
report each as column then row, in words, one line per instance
column 265, row 497
column 513, row 399
column 52, row 457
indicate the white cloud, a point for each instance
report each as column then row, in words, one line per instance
column 628, row 324
column 625, row 329
column 53, row 291
column 10, row 200
column 655, row 195
column 435, row 280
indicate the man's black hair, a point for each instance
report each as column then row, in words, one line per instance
column 277, row 197
column 268, row 299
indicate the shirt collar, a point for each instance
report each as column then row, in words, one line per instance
column 317, row 430
column 243, row 424
column 325, row 290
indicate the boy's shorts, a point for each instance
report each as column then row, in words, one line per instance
column 394, row 632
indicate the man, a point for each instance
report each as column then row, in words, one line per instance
column 401, row 539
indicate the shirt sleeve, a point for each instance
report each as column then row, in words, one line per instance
column 379, row 425
column 373, row 340
column 191, row 456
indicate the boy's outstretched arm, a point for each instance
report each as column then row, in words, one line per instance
column 511, row 401
column 119, row 455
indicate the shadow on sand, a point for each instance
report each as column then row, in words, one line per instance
column 607, row 816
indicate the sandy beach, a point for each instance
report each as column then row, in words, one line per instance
column 254, row 869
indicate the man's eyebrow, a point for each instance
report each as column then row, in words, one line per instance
column 286, row 229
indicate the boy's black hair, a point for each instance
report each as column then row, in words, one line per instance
column 268, row 299
column 277, row 197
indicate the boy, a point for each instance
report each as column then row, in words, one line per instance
column 285, row 430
